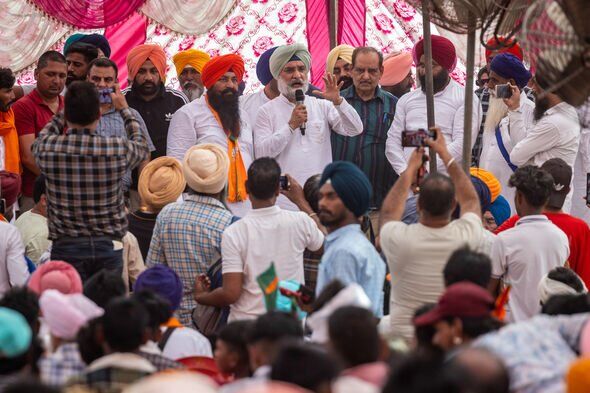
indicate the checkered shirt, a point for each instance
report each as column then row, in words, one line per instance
column 160, row 362
column 58, row 367
column 105, row 380
column 187, row 238
column 84, row 177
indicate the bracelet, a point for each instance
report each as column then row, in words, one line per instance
column 451, row 161
column 312, row 214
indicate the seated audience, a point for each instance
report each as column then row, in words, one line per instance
column 32, row 224
column 231, row 350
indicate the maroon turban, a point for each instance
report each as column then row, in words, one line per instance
column 9, row 187
column 443, row 52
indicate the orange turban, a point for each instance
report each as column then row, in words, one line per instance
column 140, row 54
column 396, row 68
column 578, row 376
column 489, row 179
column 504, row 48
column 218, row 66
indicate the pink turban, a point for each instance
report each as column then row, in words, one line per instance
column 66, row 314
column 443, row 52
column 140, row 54
column 57, row 275
column 396, row 68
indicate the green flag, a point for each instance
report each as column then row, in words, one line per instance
column 269, row 283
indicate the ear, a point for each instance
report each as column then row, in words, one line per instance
column 457, row 327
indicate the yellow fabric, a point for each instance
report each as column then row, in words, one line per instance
column 161, row 182
column 578, row 376
column 343, row 52
column 191, row 57
column 10, row 136
column 489, row 179
column 205, row 167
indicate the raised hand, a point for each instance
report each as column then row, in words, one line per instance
column 332, row 90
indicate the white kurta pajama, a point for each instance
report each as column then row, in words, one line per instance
column 195, row 124
column 251, row 104
column 302, row 156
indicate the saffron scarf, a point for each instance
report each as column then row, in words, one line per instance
column 10, row 136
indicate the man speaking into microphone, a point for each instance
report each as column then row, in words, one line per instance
column 295, row 132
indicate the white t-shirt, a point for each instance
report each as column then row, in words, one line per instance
column 263, row 236
column 417, row 255
column 522, row 255
column 185, row 342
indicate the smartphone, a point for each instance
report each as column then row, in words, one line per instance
column 284, row 182
column 104, row 95
column 289, row 293
column 503, row 91
column 416, row 138
column 307, row 295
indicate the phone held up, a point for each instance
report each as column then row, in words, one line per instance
column 503, row 91
column 284, row 182
column 104, row 95
column 416, row 138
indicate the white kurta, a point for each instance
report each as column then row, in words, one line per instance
column 410, row 114
column 194, row 124
column 251, row 104
column 302, row 156
column 582, row 167
column 513, row 131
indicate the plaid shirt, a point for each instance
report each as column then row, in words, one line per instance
column 160, row 362
column 84, row 177
column 187, row 238
column 58, row 367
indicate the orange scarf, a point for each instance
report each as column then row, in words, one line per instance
column 237, row 170
column 10, row 136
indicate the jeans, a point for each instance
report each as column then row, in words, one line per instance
column 89, row 255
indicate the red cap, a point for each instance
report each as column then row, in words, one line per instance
column 9, row 187
column 463, row 299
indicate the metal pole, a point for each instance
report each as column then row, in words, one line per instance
column 467, row 122
column 429, row 84
column 333, row 11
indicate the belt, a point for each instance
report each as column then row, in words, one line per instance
column 87, row 239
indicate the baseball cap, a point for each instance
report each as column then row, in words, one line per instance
column 562, row 177
column 463, row 299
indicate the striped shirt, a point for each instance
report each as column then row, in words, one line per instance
column 367, row 150
column 84, row 174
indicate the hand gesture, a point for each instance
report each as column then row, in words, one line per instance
column 295, row 191
column 513, row 103
column 202, row 285
column 332, row 89
column 118, row 98
column 438, row 143
column 298, row 116
column 416, row 160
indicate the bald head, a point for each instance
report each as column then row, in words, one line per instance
column 437, row 196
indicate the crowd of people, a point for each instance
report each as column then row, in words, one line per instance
column 291, row 239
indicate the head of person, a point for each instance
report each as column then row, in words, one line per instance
column 97, row 40
column 103, row 73
column 462, row 314
column 189, row 65
column 7, row 96
column 104, row 286
column 163, row 281
column 178, row 381
column 29, row 387
column 16, row 339
column 486, row 371
column 354, row 337
column 367, row 68
column 544, row 99
column 81, row 105
column 483, row 77
column 499, row 212
column 444, row 60
column 161, row 182
column 567, row 304
column 266, row 334
column 340, row 64
column 436, row 200
column 305, row 365
column 25, row 302
column 231, row 349
column 146, row 66
column 56, row 275
column 221, row 76
column 560, row 281
column 533, row 188
column 51, row 73
column 397, row 74
column 345, row 194
column 311, row 191
column 10, row 187
column 495, row 188
column 263, row 71
column 125, row 325
column 39, row 196
column 79, row 55
column 424, row 334
column 205, row 169
column 468, row 265
column 562, row 174
column 90, row 340
column 263, row 180
column 290, row 65
column 158, row 309
column 483, row 193
column 497, row 45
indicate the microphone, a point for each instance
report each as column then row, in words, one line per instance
column 299, row 98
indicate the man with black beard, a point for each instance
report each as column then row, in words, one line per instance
column 216, row 118
column 449, row 101
column 79, row 55
column 340, row 64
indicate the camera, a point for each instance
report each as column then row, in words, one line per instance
column 503, row 91
column 104, row 95
column 284, row 182
column 416, row 138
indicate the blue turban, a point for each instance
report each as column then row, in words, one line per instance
column 509, row 66
column 500, row 209
column 97, row 40
column 483, row 192
column 263, row 67
column 351, row 185
column 15, row 333
column 162, row 280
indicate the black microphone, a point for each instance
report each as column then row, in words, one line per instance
column 299, row 98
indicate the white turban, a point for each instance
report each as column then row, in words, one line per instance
column 66, row 314
column 205, row 168
column 548, row 287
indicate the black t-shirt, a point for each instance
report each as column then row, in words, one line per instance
column 142, row 224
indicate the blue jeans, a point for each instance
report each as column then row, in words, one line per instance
column 89, row 255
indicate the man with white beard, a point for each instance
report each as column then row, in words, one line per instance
column 298, row 135
column 189, row 65
column 503, row 128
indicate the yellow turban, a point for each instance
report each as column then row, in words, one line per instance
column 192, row 57
column 489, row 179
column 578, row 376
column 161, row 182
column 343, row 52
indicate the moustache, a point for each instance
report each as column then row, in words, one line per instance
column 296, row 82
column 229, row 91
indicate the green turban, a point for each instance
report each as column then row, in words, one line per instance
column 286, row 53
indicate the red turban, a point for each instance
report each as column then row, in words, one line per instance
column 218, row 66
column 505, row 47
column 443, row 52
column 9, row 187
column 140, row 54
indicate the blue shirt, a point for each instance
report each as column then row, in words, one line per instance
column 350, row 257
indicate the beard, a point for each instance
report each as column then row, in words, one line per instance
column 146, row 88
column 73, row 78
column 226, row 104
column 439, row 81
column 288, row 90
column 5, row 107
column 347, row 82
column 192, row 90
column 497, row 110
column 541, row 106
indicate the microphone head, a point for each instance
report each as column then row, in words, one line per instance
column 299, row 96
